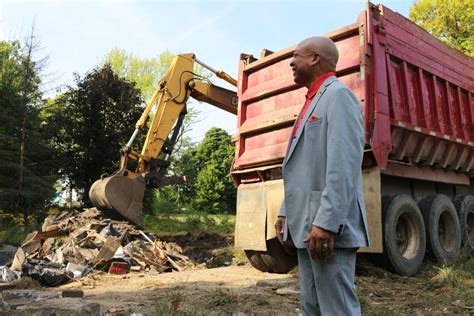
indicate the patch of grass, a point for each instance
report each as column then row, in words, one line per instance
column 453, row 276
column 447, row 276
column 174, row 223
column 451, row 285
column 260, row 301
column 371, row 309
column 222, row 257
column 470, row 302
column 239, row 257
column 13, row 234
column 223, row 298
column 380, row 311
column 227, row 256
column 171, row 305
column 165, row 310
column 467, row 267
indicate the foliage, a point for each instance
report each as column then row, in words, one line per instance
column 447, row 276
column 209, row 163
column 90, row 123
column 195, row 222
column 215, row 192
column 452, row 21
column 178, row 198
column 145, row 72
column 15, row 227
column 28, row 170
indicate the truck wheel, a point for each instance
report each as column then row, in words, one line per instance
column 442, row 227
column 464, row 205
column 255, row 260
column 275, row 259
column 403, row 234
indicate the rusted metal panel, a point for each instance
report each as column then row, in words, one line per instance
column 426, row 173
column 275, row 194
column 373, row 206
column 424, row 50
column 258, row 205
column 251, row 217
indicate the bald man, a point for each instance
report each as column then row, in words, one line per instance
column 323, row 213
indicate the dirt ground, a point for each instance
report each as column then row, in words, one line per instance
column 223, row 282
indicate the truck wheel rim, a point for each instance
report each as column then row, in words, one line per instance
column 408, row 236
column 446, row 231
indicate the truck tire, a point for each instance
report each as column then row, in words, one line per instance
column 443, row 232
column 275, row 259
column 403, row 234
column 256, row 261
column 464, row 205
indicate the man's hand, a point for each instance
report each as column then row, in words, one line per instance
column 321, row 243
column 280, row 223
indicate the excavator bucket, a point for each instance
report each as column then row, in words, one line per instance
column 119, row 193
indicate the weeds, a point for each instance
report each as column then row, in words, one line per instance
column 452, row 276
column 447, row 276
column 15, row 227
column 173, row 223
column 223, row 298
column 239, row 257
column 171, row 304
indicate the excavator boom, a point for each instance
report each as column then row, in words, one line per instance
column 123, row 191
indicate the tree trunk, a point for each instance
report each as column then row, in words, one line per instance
column 26, row 90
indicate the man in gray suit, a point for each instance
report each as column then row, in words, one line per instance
column 323, row 212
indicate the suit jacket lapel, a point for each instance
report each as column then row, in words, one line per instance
column 292, row 142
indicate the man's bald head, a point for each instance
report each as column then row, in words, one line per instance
column 326, row 49
column 312, row 58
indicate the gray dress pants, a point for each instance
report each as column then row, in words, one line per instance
column 327, row 287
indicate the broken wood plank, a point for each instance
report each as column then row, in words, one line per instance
column 18, row 260
column 108, row 249
column 50, row 234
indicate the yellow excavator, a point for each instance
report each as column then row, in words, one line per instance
column 123, row 191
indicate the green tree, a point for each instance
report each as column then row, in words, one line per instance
column 145, row 72
column 90, row 123
column 28, row 170
column 452, row 21
column 175, row 198
column 215, row 192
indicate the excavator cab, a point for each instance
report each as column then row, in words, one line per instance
column 123, row 191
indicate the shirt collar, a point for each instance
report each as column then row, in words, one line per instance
column 317, row 84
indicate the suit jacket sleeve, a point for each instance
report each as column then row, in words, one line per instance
column 345, row 148
column 282, row 209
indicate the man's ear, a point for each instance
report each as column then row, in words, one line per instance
column 315, row 59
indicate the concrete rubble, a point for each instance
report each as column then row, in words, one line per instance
column 72, row 244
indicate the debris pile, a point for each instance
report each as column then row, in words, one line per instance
column 71, row 244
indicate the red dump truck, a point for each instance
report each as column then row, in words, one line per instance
column 417, row 96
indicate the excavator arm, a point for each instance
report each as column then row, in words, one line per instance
column 123, row 191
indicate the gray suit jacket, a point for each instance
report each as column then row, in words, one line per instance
column 322, row 170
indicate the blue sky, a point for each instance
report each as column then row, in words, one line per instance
column 76, row 35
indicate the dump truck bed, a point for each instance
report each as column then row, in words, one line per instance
column 417, row 95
